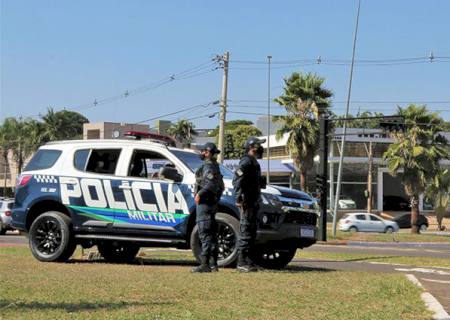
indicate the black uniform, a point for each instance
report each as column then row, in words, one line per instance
column 247, row 184
column 209, row 186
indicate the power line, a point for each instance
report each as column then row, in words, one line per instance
column 180, row 111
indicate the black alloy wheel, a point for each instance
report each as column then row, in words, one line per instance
column 227, row 235
column 51, row 238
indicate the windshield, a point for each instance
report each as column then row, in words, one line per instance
column 192, row 160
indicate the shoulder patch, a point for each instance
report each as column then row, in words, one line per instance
column 239, row 172
column 210, row 176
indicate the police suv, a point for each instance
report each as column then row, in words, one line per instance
column 121, row 195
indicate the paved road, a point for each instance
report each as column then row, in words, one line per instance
column 12, row 239
column 434, row 280
column 424, row 251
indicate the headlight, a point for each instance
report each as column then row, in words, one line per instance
column 270, row 199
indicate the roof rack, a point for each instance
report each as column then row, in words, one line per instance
column 154, row 137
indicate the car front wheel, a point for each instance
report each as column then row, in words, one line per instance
column 51, row 238
column 389, row 230
column 227, row 235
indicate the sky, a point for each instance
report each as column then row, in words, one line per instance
column 68, row 54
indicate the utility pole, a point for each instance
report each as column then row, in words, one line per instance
column 223, row 105
column 323, row 175
column 341, row 157
column 268, row 121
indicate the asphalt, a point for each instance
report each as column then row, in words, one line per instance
column 424, row 251
column 435, row 280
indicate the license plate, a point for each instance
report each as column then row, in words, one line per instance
column 306, row 233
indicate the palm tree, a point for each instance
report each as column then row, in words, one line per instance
column 61, row 125
column 183, row 131
column 305, row 99
column 415, row 154
column 439, row 193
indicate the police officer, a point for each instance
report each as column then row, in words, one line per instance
column 209, row 187
column 247, row 184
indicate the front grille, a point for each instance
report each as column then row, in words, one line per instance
column 305, row 218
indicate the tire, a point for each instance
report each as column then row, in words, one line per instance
column 273, row 258
column 227, row 235
column 353, row 229
column 2, row 229
column 51, row 237
column 122, row 252
column 423, row 227
column 389, row 230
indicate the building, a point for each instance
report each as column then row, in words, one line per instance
column 110, row 130
column 359, row 141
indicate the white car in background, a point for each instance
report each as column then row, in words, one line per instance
column 366, row 222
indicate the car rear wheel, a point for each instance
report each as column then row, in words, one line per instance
column 115, row 252
column 272, row 258
column 389, row 230
column 227, row 235
column 51, row 237
column 353, row 229
column 2, row 228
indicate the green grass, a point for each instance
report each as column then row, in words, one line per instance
column 412, row 261
column 162, row 287
column 386, row 237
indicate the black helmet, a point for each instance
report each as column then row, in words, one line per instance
column 253, row 142
column 211, row 147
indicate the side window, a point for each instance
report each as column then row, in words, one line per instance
column 80, row 159
column 43, row 159
column 97, row 160
column 146, row 164
column 373, row 218
column 361, row 217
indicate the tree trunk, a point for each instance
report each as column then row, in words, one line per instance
column 5, row 172
column 414, row 213
column 303, row 180
column 369, row 180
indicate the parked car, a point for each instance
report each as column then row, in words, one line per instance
column 404, row 221
column 395, row 203
column 6, row 215
column 346, row 204
column 366, row 222
column 109, row 193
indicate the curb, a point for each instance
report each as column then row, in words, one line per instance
column 430, row 301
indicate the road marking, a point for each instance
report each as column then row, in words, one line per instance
column 423, row 270
column 430, row 301
column 434, row 280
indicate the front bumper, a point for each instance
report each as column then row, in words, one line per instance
column 301, row 236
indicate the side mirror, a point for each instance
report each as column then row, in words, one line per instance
column 170, row 173
column 263, row 182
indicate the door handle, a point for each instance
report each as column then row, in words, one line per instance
column 70, row 181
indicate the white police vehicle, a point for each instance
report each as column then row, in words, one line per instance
column 125, row 194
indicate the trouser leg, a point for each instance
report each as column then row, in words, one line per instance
column 205, row 217
column 247, row 229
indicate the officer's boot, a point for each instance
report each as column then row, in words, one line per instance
column 243, row 264
column 213, row 262
column 203, row 267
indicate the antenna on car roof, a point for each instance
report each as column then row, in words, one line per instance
column 154, row 137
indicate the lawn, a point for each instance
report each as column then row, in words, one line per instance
column 160, row 286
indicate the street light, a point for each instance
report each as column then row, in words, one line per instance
column 268, row 118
